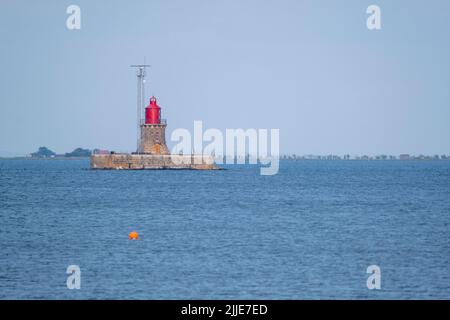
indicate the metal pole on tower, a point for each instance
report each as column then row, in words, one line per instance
column 139, row 105
column 140, row 101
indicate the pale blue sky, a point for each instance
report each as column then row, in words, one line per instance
column 310, row 68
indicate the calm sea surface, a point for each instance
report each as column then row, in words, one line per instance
column 309, row 232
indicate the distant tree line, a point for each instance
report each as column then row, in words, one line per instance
column 366, row 157
column 44, row 152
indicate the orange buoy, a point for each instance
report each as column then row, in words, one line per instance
column 133, row 235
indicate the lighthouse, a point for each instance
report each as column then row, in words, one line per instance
column 153, row 130
column 151, row 149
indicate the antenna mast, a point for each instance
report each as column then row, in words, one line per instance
column 140, row 68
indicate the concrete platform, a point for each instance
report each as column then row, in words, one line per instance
column 126, row 161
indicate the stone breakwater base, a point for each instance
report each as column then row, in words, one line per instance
column 125, row 161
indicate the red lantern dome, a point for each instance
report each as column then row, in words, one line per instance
column 153, row 112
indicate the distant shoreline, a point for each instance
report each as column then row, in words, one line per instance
column 44, row 158
column 281, row 159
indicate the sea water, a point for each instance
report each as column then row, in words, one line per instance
column 309, row 232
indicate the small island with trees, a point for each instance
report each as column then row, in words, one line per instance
column 46, row 153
